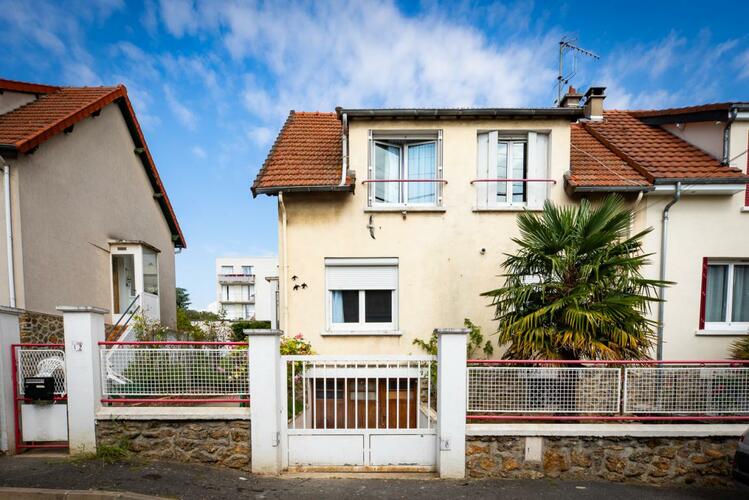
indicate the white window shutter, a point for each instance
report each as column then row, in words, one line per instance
column 362, row 277
column 538, row 168
column 482, row 170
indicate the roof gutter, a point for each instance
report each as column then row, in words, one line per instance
column 344, row 148
column 612, row 189
column 432, row 113
column 732, row 113
column 270, row 191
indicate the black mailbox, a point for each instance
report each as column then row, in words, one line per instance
column 39, row 388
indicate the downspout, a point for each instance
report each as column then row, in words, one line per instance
column 664, row 249
column 727, row 135
column 284, row 266
column 344, row 148
column 9, row 234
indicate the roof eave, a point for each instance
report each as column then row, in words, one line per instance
column 460, row 113
column 320, row 188
column 703, row 180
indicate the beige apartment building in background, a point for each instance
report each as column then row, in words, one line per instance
column 86, row 218
column 396, row 220
column 246, row 287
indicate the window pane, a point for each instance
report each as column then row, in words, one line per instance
column 247, row 270
column 345, row 306
column 740, row 309
column 227, row 269
column 717, row 285
column 386, row 166
column 518, row 171
column 422, row 164
column 150, row 272
column 378, row 306
column 502, row 150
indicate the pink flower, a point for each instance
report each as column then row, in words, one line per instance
column 299, row 336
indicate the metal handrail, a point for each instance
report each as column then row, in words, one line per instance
column 117, row 323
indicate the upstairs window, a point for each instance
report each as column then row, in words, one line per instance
column 227, row 269
column 405, row 169
column 512, row 170
column 247, row 270
column 726, row 295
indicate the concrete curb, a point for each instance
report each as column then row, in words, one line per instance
column 45, row 494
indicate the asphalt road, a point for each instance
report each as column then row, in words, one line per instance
column 202, row 482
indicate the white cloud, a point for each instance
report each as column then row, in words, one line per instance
column 742, row 62
column 182, row 112
column 261, row 136
column 199, row 152
column 369, row 54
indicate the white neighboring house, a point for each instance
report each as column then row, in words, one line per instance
column 242, row 289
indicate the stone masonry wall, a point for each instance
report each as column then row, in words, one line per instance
column 218, row 442
column 40, row 328
column 699, row 461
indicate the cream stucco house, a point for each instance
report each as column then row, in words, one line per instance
column 397, row 219
column 86, row 218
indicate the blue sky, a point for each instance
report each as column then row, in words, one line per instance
column 213, row 81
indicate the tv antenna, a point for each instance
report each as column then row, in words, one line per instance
column 567, row 44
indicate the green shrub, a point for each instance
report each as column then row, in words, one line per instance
column 238, row 328
column 740, row 349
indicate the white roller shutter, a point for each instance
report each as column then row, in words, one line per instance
column 361, row 274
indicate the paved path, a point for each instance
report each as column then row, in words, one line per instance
column 201, row 482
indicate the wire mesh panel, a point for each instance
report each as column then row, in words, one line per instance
column 690, row 390
column 543, row 390
column 146, row 371
column 33, row 362
column 397, row 392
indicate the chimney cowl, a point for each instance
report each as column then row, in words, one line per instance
column 594, row 103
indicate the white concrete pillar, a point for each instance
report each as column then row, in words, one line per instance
column 84, row 329
column 265, row 400
column 451, row 401
column 9, row 335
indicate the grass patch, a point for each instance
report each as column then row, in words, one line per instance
column 107, row 453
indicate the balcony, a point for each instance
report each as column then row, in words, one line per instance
column 236, row 279
column 239, row 300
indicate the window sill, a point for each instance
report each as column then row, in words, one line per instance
column 361, row 333
column 515, row 208
column 721, row 333
column 405, row 209
column 745, row 210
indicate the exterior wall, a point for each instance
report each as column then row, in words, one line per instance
column 442, row 269
column 10, row 100
column 225, row 443
column 262, row 268
column 708, row 136
column 699, row 461
column 79, row 191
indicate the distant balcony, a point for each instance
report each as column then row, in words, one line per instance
column 236, row 279
column 250, row 300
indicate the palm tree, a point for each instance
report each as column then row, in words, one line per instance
column 574, row 290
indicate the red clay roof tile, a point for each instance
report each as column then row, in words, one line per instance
column 307, row 153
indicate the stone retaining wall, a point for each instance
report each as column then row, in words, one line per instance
column 40, row 328
column 701, row 461
column 218, row 442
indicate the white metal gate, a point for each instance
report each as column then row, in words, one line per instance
column 359, row 412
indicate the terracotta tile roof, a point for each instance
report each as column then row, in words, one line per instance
column 59, row 108
column 649, row 150
column 306, row 155
column 595, row 165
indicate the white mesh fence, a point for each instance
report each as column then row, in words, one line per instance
column 143, row 371
column 543, row 390
column 41, row 363
column 703, row 390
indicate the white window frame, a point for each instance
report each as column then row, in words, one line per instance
column 488, row 154
column 224, row 268
column 728, row 325
column 247, row 270
column 361, row 327
column 416, row 138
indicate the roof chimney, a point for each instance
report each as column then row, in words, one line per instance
column 594, row 103
column 571, row 99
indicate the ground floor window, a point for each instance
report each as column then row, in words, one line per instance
column 726, row 294
column 362, row 294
